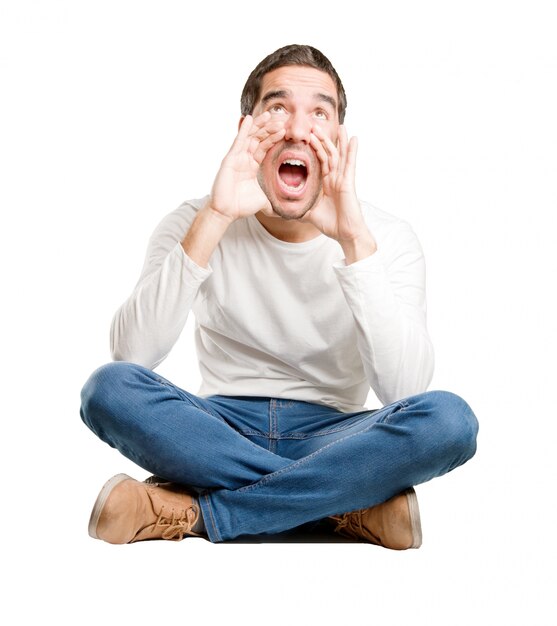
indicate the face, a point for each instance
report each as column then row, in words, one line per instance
column 303, row 98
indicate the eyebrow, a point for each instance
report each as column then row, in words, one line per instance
column 283, row 93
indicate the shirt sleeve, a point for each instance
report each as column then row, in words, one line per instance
column 149, row 322
column 386, row 293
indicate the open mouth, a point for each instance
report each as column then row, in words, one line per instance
column 293, row 174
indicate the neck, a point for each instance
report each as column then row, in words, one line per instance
column 291, row 231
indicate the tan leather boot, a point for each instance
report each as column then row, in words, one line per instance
column 394, row 524
column 127, row 510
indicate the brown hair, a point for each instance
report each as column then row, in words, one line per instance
column 293, row 54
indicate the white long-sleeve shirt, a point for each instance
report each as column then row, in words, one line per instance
column 285, row 320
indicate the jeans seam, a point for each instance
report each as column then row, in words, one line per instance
column 213, row 521
column 263, row 481
column 295, row 435
column 399, row 407
column 253, row 433
column 186, row 398
column 273, row 419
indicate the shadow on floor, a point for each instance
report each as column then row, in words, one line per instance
column 313, row 532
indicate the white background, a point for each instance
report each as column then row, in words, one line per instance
column 113, row 113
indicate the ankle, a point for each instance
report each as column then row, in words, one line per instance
column 199, row 526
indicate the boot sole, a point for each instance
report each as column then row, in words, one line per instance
column 414, row 511
column 101, row 501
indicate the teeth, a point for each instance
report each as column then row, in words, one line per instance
column 294, row 162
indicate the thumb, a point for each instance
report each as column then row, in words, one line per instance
column 267, row 209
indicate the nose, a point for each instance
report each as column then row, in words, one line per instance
column 298, row 128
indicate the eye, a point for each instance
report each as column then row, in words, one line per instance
column 276, row 108
column 320, row 114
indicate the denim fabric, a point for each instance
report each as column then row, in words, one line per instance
column 265, row 465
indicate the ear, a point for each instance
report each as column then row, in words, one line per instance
column 240, row 122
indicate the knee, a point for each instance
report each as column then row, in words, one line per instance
column 104, row 389
column 455, row 424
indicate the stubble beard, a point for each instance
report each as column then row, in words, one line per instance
column 279, row 210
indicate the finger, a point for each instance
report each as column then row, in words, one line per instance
column 242, row 141
column 342, row 148
column 270, row 128
column 351, row 159
column 329, row 147
column 262, row 118
column 249, row 128
column 264, row 146
column 260, row 122
column 243, row 132
column 319, row 149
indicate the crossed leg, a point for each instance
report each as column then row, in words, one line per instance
column 244, row 488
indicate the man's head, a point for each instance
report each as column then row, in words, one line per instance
column 290, row 55
column 301, row 89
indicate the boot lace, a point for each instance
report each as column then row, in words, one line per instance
column 351, row 525
column 176, row 526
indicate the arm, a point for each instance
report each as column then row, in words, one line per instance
column 236, row 193
column 384, row 286
column 386, row 293
column 148, row 324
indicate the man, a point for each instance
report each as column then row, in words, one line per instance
column 304, row 297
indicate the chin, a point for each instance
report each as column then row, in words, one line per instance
column 290, row 213
column 295, row 208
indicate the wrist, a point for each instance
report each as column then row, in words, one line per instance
column 358, row 247
column 216, row 217
column 204, row 235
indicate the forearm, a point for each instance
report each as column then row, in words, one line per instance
column 395, row 348
column 386, row 294
column 204, row 235
column 149, row 322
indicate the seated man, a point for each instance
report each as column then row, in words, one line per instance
column 304, row 297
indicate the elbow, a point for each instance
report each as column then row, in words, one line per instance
column 137, row 352
column 428, row 365
column 120, row 352
column 121, row 349
column 413, row 374
column 116, row 352
column 423, row 367
column 125, row 353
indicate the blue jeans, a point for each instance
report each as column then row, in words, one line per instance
column 264, row 465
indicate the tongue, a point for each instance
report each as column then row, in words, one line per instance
column 292, row 175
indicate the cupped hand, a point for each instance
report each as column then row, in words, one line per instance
column 236, row 192
column 338, row 214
